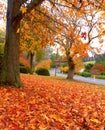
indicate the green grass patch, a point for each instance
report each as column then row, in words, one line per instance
column 89, row 62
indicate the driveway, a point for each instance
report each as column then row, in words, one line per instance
column 79, row 78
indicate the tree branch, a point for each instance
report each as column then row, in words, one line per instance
column 33, row 4
column 19, row 15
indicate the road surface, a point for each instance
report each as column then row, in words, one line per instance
column 79, row 78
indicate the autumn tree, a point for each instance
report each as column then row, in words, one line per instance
column 100, row 4
column 16, row 10
column 38, row 30
column 78, row 36
column 70, row 40
column 93, row 29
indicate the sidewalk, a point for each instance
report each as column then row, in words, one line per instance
column 80, row 78
column 89, row 80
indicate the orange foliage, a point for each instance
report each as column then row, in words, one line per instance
column 83, row 35
column 97, row 69
column 78, row 64
column 32, row 26
column 81, row 49
column 24, row 61
column 44, row 64
column 45, row 104
column 64, row 69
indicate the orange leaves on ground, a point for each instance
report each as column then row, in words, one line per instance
column 45, row 104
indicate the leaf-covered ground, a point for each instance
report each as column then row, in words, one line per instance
column 49, row 104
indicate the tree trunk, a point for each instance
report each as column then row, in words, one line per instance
column 71, row 67
column 11, row 68
column 31, row 62
column 70, row 73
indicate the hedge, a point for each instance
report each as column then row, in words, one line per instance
column 42, row 71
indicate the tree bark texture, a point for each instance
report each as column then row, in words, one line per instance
column 31, row 62
column 10, row 73
column 11, row 69
column 71, row 67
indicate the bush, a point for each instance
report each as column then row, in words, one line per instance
column 85, row 74
column 24, row 69
column 100, row 76
column 97, row 69
column 42, row 71
column 102, row 73
column 88, row 67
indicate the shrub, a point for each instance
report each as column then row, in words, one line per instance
column 85, row 74
column 102, row 73
column 100, row 76
column 24, row 69
column 88, row 67
column 97, row 69
column 42, row 71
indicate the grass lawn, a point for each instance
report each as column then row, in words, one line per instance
column 89, row 62
column 50, row 103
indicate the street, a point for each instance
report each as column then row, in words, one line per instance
column 79, row 78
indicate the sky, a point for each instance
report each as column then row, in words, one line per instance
column 2, row 24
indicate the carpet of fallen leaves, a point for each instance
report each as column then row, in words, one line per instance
column 50, row 104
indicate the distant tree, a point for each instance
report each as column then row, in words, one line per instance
column 78, row 37
column 35, row 41
column 97, row 69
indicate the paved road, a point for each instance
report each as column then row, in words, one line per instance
column 80, row 78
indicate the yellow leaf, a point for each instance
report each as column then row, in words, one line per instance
column 104, row 114
column 23, row 9
column 18, row 30
column 32, row 127
column 42, row 127
column 26, row 25
column 57, row 118
column 103, row 102
column 94, row 120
